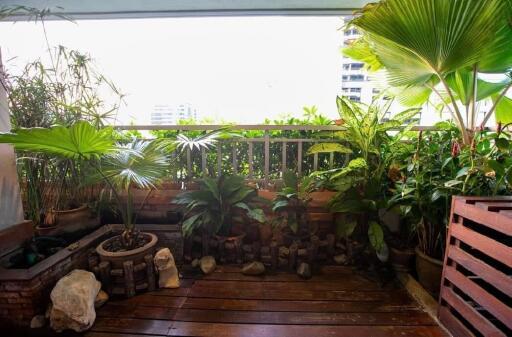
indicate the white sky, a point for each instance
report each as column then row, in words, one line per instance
column 239, row 69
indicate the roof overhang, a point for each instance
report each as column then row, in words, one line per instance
column 112, row 9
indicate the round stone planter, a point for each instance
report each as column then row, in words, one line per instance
column 117, row 259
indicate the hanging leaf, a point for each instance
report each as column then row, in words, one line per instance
column 376, row 236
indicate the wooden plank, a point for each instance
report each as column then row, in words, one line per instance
column 148, row 300
column 492, row 220
column 131, row 325
column 486, row 245
column 283, row 159
column 413, row 318
column 219, row 161
column 491, row 275
column 115, row 334
column 306, row 295
column 203, row 161
column 244, row 330
column 189, row 163
column 299, row 158
column 266, row 155
column 235, row 161
column 453, row 324
column 137, row 311
column 497, row 308
column 315, row 162
column 494, row 206
column 346, row 284
column 470, row 314
column 299, row 306
column 251, row 160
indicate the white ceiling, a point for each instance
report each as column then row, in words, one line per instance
column 97, row 9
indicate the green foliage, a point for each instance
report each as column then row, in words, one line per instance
column 440, row 46
column 291, row 202
column 79, row 141
column 218, row 205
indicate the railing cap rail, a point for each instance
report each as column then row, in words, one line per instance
column 262, row 127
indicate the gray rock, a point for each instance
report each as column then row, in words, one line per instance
column 101, row 299
column 37, row 322
column 253, row 268
column 207, row 264
column 73, row 301
column 304, row 270
column 168, row 276
column 340, row 259
column 302, row 252
column 195, row 263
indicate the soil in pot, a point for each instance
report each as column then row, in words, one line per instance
column 429, row 272
column 112, row 250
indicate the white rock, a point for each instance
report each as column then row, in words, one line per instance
column 73, row 301
column 167, row 271
column 207, row 264
column 101, row 299
column 37, row 322
column 253, row 268
column 340, row 259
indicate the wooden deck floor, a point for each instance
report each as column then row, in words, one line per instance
column 335, row 303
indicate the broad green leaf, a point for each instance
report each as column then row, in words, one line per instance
column 345, row 228
column 328, row 148
column 503, row 112
column 81, row 140
column 376, row 236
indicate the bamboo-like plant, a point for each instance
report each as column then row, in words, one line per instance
column 441, row 48
column 120, row 166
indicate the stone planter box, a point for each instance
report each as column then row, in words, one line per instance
column 25, row 292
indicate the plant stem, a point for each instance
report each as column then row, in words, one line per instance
column 458, row 115
column 500, row 97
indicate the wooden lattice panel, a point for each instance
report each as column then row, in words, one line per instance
column 476, row 288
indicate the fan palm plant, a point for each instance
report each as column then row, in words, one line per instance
column 218, row 204
column 120, row 166
column 441, row 48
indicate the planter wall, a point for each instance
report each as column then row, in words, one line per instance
column 476, row 288
column 25, row 292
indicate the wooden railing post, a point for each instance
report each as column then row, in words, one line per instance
column 267, row 157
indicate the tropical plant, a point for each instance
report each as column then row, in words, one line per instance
column 441, row 48
column 292, row 201
column 120, row 166
column 439, row 168
column 361, row 184
column 218, row 205
column 63, row 92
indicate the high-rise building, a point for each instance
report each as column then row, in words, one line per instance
column 168, row 114
column 356, row 84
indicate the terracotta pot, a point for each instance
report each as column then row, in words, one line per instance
column 401, row 260
column 117, row 259
column 266, row 233
column 429, row 272
column 70, row 221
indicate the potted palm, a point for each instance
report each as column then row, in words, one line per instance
column 220, row 207
column 120, row 166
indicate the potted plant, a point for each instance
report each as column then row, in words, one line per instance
column 291, row 205
column 361, row 185
column 120, row 166
column 220, row 207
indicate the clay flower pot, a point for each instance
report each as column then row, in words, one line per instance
column 429, row 272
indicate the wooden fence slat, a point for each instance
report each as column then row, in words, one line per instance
column 497, row 308
column 481, row 269
column 452, row 324
column 283, row 155
column 189, row 163
column 251, row 159
column 470, row 314
column 315, row 162
column 267, row 158
column 235, row 162
column 494, row 220
column 219, row 161
column 483, row 243
column 299, row 158
column 203, row 161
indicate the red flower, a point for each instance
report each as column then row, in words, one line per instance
column 455, row 148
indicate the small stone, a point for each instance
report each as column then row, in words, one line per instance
column 37, row 322
column 101, row 299
column 302, row 252
column 341, row 246
column 304, row 270
column 284, row 251
column 207, row 264
column 253, row 268
column 195, row 263
column 167, row 272
column 340, row 259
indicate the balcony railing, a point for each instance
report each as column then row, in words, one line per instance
column 260, row 153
